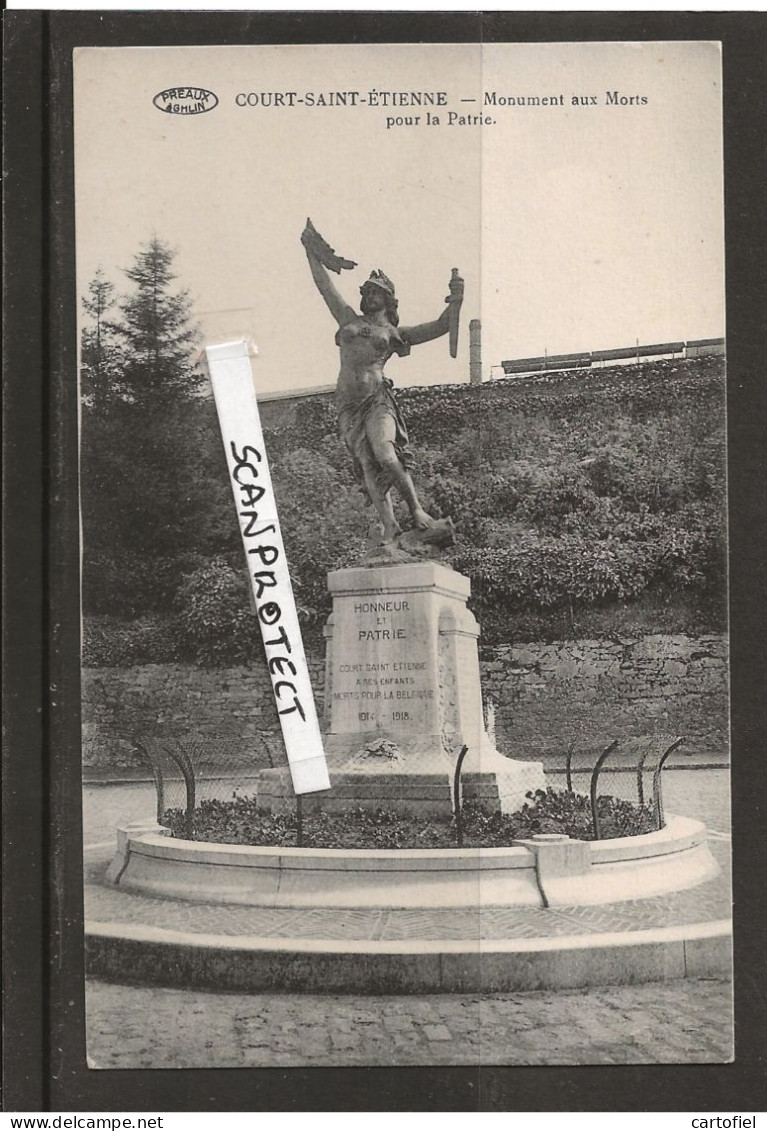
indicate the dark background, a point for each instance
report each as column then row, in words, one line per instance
column 44, row 1065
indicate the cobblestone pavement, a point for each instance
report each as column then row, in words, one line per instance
column 682, row 1022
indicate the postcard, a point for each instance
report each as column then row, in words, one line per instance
column 469, row 497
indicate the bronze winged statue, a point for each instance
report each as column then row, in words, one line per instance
column 370, row 420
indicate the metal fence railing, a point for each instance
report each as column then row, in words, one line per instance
column 628, row 769
column 190, row 774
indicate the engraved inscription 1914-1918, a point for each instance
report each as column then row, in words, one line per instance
column 383, row 680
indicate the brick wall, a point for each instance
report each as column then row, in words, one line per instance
column 542, row 696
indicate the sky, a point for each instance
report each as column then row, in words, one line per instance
column 575, row 227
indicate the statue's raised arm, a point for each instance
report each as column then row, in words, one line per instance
column 370, row 420
column 322, row 258
column 311, row 239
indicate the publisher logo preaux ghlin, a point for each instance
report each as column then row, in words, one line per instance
column 185, row 100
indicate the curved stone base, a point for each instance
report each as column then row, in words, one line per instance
column 546, row 914
column 146, row 955
column 541, row 872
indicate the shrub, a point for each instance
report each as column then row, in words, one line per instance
column 559, row 811
column 216, row 624
column 240, row 821
column 565, row 494
column 545, row 572
column 132, row 585
column 692, row 551
column 568, row 493
column 110, row 642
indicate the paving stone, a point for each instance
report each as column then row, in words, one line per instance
column 394, row 1023
column 437, row 1033
column 682, row 1022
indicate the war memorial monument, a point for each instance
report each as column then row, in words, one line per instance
column 402, row 688
column 404, row 733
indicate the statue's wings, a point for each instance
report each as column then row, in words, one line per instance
column 311, row 238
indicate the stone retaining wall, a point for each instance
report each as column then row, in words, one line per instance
column 540, row 697
column 232, row 704
column 545, row 695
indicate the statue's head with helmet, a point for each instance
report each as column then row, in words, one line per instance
column 378, row 289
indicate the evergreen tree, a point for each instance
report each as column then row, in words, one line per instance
column 101, row 369
column 156, row 328
column 153, row 470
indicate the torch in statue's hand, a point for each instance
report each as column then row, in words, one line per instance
column 313, row 241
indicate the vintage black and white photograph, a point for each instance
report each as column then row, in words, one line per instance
column 405, row 717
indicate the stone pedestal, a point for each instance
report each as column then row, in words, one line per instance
column 402, row 697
